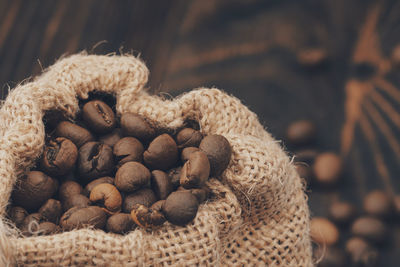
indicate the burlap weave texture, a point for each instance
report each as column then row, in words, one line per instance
column 258, row 214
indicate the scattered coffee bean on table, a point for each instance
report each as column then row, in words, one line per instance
column 114, row 178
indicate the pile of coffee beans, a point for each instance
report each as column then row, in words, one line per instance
column 114, row 173
column 349, row 235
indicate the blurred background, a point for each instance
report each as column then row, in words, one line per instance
column 334, row 63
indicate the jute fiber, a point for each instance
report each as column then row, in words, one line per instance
column 258, row 214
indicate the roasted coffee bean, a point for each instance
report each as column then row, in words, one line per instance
column 186, row 153
column 180, row 207
column 99, row 116
column 330, row 256
column 175, row 177
column 47, row 228
column 17, row 215
column 200, row 193
column 112, row 138
column 31, row 223
column 134, row 125
column 301, row 132
column 162, row 153
column 342, row 212
column 188, row 137
column 107, row 195
column 80, row 201
column 77, row 134
column 218, row 151
column 146, row 217
column 68, row 189
column 361, row 253
column 128, row 149
column 158, row 205
column 161, row 184
column 323, row 231
column 51, row 210
column 144, row 196
column 369, row 228
column 59, row 156
column 120, row 223
column 95, row 160
column 196, row 170
column 76, row 218
column 132, row 176
column 33, row 189
column 103, row 180
column 377, row 203
column 327, row 168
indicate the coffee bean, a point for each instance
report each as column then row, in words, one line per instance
column 330, row 257
column 180, row 207
column 59, row 156
column 200, row 193
column 68, row 189
column 77, row 134
column 196, row 170
column 186, row 153
column 161, row 184
column 175, row 177
column 301, row 132
column 218, row 151
column 143, row 196
column 146, row 217
column 162, row 153
column 95, row 160
column 134, row 125
column 51, row 210
column 120, row 223
column 323, row 231
column 17, row 215
column 132, row 176
column 33, row 189
column 80, row 201
column 30, row 224
column 304, row 172
column 369, row 228
column 158, row 205
column 76, row 218
column 128, row 149
column 378, row 203
column 327, row 168
column 342, row 212
column 103, row 180
column 112, row 138
column 47, row 228
column 107, row 195
column 361, row 253
column 98, row 116
column 188, row 137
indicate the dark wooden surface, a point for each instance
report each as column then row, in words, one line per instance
column 250, row 49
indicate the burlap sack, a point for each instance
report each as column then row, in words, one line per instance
column 258, row 215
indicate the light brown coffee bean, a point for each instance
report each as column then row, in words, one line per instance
column 77, row 134
column 146, row 217
column 180, row 207
column 161, row 184
column 80, row 201
column 301, row 132
column 98, row 116
column 342, row 212
column 17, row 215
column 136, row 126
column 128, row 149
column 188, row 137
column 323, row 231
column 51, row 210
column 59, row 156
column 186, row 153
column 47, row 228
column 103, row 180
column 327, row 168
column 369, row 228
column 143, row 196
column 196, row 170
column 378, row 203
column 69, row 188
column 108, row 196
column 120, row 223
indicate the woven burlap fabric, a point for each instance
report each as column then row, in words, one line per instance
column 258, row 213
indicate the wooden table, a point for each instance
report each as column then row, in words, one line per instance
column 328, row 61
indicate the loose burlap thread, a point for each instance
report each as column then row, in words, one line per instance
column 258, row 214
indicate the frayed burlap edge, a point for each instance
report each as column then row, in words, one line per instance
column 258, row 214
